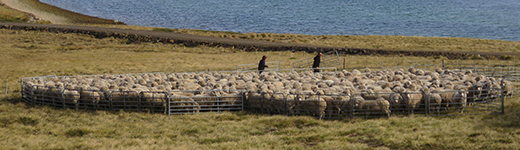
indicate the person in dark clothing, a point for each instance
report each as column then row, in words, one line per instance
column 261, row 65
column 316, row 63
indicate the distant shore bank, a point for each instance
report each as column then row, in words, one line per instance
column 42, row 11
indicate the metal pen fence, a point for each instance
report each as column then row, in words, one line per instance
column 342, row 106
column 336, row 106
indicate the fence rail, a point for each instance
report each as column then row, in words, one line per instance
column 329, row 59
column 273, row 66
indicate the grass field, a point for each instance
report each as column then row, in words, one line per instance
column 30, row 54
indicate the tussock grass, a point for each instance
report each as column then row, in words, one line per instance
column 30, row 54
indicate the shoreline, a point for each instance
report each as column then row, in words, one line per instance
column 44, row 12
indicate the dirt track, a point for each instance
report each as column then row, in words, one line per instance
column 248, row 45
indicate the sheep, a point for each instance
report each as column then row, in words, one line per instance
column 207, row 101
column 395, row 102
column 474, row 93
column 459, row 100
column 508, row 87
column 432, row 98
column 230, row 101
column 71, row 98
column 181, row 103
column 338, row 105
column 447, row 98
column 411, row 101
column 253, row 101
column 123, row 100
column 282, row 103
column 54, row 94
column 376, row 107
column 370, row 95
column 155, row 101
column 490, row 91
column 313, row 106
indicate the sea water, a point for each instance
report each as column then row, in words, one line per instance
column 486, row 19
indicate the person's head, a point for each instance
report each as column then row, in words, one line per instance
column 319, row 53
column 264, row 57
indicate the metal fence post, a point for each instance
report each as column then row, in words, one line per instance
column 428, row 105
column 285, row 103
column 502, row 95
column 21, row 86
column 139, row 102
column 168, row 104
column 443, row 67
column 243, row 100
column 63, row 99
column 344, row 62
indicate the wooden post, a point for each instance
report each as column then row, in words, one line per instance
column 6, row 81
column 344, row 62
column 365, row 61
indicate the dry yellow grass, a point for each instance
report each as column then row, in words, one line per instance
column 29, row 54
column 369, row 42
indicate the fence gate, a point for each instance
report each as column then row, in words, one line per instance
column 328, row 60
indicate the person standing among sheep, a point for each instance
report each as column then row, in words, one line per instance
column 316, row 63
column 261, row 65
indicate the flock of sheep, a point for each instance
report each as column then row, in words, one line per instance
column 326, row 94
